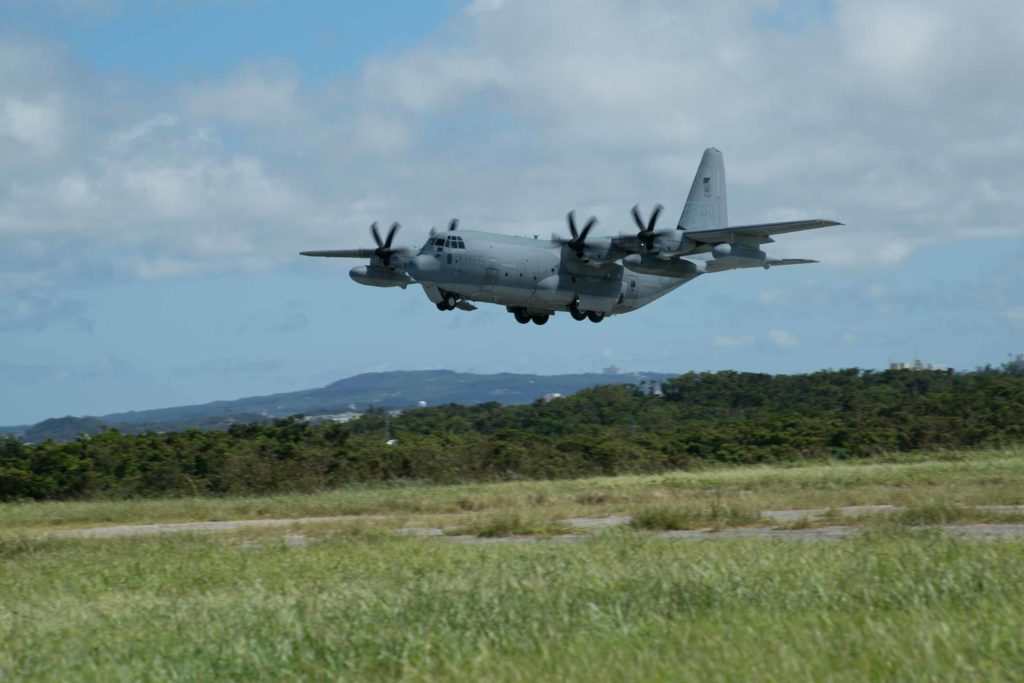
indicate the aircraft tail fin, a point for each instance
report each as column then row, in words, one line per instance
column 705, row 207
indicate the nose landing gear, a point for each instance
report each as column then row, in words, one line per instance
column 448, row 303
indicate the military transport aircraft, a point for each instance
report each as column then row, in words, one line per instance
column 590, row 277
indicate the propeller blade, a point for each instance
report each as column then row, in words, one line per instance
column 376, row 235
column 391, row 235
column 452, row 224
column 572, row 224
column 654, row 217
column 586, row 229
column 636, row 216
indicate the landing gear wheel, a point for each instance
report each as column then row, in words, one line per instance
column 449, row 301
column 521, row 316
column 595, row 317
column 540, row 319
column 441, row 306
column 575, row 312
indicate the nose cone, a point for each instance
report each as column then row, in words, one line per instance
column 423, row 267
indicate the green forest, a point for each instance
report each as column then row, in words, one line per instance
column 696, row 418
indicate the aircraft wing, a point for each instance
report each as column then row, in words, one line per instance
column 763, row 231
column 716, row 267
column 340, row 253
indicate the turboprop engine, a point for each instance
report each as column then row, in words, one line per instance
column 375, row 276
column 652, row 265
column 738, row 254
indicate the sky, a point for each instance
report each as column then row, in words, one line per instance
column 162, row 163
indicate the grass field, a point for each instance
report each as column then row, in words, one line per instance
column 918, row 480
column 354, row 601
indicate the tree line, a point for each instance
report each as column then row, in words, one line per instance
column 695, row 418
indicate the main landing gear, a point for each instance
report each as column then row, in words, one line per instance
column 522, row 317
column 577, row 314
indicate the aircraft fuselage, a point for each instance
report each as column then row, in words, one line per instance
column 531, row 274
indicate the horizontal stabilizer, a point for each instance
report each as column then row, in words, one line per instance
column 340, row 253
column 791, row 262
column 761, row 230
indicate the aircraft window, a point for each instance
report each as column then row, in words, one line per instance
column 439, row 241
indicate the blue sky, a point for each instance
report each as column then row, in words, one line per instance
column 161, row 164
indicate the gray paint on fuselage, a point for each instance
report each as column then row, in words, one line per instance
column 532, row 273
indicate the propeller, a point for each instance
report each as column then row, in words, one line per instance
column 579, row 237
column 647, row 234
column 384, row 250
column 453, row 224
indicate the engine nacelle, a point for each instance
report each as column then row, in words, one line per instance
column 375, row 276
column 652, row 265
column 738, row 254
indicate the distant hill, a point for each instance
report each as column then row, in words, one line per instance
column 63, row 429
column 401, row 389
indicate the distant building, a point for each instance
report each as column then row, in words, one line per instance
column 340, row 418
column 919, row 365
column 611, row 370
column 421, row 404
column 548, row 398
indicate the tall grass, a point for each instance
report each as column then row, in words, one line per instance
column 887, row 606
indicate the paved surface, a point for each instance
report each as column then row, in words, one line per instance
column 597, row 522
column 825, row 533
column 583, row 524
column 152, row 529
column 848, row 511
column 986, row 530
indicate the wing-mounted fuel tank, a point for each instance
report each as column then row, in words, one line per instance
column 378, row 276
column 738, row 255
column 649, row 264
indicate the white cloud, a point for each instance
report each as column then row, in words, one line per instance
column 31, row 310
column 770, row 296
column 1015, row 316
column 784, row 339
column 144, row 129
column 507, row 120
column 250, row 97
column 481, row 6
column 724, row 342
column 36, row 124
column 877, row 291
